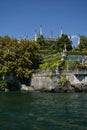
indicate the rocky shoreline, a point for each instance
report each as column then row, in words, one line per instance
column 60, row 88
column 79, row 87
column 67, row 88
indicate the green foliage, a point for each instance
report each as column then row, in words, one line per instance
column 50, row 61
column 23, row 57
column 63, row 80
column 3, row 83
column 61, row 64
column 62, row 41
column 18, row 57
column 71, row 64
column 41, row 40
column 83, row 43
column 77, row 52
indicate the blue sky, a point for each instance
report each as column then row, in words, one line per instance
column 19, row 18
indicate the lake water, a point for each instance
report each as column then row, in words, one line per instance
column 43, row 111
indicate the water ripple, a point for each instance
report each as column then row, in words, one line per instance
column 40, row 111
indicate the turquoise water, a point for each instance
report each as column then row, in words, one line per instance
column 43, row 111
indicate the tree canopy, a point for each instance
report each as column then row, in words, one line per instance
column 18, row 57
column 22, row 57
column 62, row 41
column 41, row 40
column 83, row 43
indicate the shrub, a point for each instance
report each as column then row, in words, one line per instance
column 3, row 84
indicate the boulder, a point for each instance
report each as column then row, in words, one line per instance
column 27, row 88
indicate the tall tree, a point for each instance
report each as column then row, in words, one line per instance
column 62, row 41
column 41, row 40
column 18, row 57
column 83, row 43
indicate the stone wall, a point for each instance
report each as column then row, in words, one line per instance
column 44, row 80
column 49, row 80
column 77, row 79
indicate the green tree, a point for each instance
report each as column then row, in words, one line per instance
column 83, row 43
column 62, row 41
column 19, row 58
column 41, row 40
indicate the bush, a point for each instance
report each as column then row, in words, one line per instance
column 3, row 84
column 63, row 80
column 71, row 64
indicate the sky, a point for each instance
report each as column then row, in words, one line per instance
column 20, row 18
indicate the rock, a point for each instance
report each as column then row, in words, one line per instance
column 27, row 88
column 80, row 87
column 64, row 88
column 31, row 88
column 6, row 90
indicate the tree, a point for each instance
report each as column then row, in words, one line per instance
column 83, row 43
column 41, row 40
column 62, row 41
column 19, row 58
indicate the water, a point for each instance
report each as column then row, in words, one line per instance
column 43, row 111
